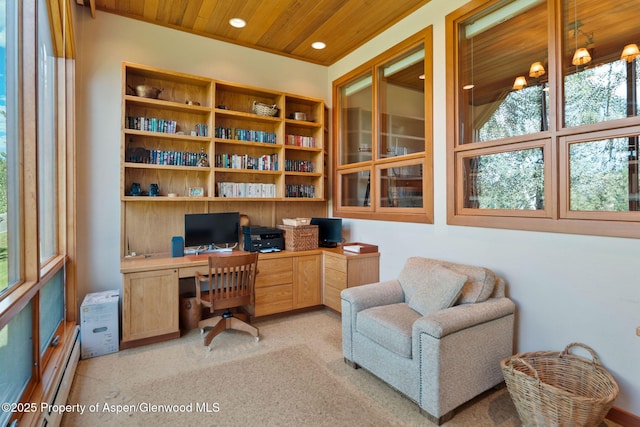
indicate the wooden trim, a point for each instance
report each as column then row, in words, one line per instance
column 151, row 340
column 15, row 301
column 61, row 26
column 622, row 417
column 68, row 245
column 29, row 193
column 55, row 364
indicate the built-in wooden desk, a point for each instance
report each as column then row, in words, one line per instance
column 286, row 281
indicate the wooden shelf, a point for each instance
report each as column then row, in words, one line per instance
column 198, row 111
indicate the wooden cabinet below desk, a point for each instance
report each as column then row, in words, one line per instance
column 307, row 291
column 149, row 305
column 274, row 286
column 345, row 270
column 289, row 282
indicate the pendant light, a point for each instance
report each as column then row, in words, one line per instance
column 630, row 52
column 519, row 83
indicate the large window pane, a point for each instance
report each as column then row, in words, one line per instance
column 604, row 175
column 16, row 359
column 497, row 46
column 509, row 180
column 356, row 121
column 599, row 85
column 47, row 136
column 9, row 143
column 401, row 105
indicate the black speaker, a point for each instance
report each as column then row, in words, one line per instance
column 177, row 246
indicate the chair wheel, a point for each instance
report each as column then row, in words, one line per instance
column 201, row 331
column 257, row 338
column 208, row 349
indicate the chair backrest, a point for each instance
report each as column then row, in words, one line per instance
column 231, row 280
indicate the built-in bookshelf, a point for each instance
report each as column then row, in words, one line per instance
column 206, row 134
column 200, row 146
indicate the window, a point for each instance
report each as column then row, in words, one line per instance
column 9, row 105
column 37, row 287
column 544, row 115
column 47, row 136
column 383, row 136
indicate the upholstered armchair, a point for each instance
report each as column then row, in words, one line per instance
column 436, row 334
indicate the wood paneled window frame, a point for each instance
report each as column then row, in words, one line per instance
column 382, row 142
column 587, row 154
column 34, row 338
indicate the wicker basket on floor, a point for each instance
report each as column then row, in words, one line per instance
column 559, row 388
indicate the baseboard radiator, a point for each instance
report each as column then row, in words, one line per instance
column 62, row 381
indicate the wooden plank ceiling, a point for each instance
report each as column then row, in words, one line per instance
column 284, row 27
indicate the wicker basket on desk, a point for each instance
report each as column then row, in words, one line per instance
column 561, row 389
column 300, row 238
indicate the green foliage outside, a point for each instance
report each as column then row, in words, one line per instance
column 599, row 169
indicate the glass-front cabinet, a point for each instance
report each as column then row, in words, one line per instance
column 383, row 136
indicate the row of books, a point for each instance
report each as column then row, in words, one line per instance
column 246, row 189
column 245, row 135
column 166, row 157
column 152, row 124
column 202, row 130
column 300, row 190
column 300, row 141
column 298, row 166
column 244, row 161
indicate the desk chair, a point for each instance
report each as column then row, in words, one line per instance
column 229, row 284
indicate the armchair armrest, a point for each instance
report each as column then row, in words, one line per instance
column 459, row 317
column 372, row 295
column 359, row 298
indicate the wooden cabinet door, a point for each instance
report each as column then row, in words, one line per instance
column 150, row 304
column 306, row 274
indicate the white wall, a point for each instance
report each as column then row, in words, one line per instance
column 567, row 288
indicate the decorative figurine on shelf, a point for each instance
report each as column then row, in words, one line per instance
column 135, row 189
column 154, row 190
column 203, row 161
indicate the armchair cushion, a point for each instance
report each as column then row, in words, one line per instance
column 440, row 289
column 478, row 288
column 390, row 326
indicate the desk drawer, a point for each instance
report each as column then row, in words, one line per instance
column 335, row 263
column 332, row 298
column 191, row 271
column 274, row 299
column 274, row 272
column 336, row 279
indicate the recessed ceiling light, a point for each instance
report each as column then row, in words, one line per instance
column 237, row 22
column 318, row 45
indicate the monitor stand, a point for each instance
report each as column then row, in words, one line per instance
column 211, row 249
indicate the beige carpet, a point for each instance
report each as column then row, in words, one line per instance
column 294, row 376
column 259, row 389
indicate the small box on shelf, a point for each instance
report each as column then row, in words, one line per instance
column 361, row 248
column 296, row 221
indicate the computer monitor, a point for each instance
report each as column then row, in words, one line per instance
column 212, row 230
column 329, row 231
